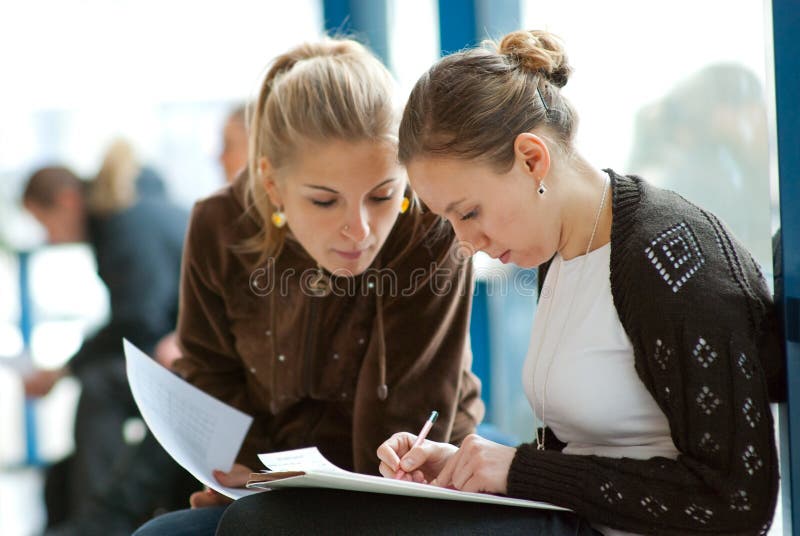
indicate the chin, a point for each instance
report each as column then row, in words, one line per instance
column 530, row 261
column 342, row 267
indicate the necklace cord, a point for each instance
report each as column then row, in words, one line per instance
column 540, row 432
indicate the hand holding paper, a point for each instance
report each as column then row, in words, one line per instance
column 201, row 433
column 235, row 478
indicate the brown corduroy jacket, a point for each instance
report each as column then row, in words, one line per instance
column 309, row 368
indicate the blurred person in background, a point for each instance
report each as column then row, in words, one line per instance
column 136, row 235
column 707, row 139
column 233, row 157
column 145, row 480
column 233, row 160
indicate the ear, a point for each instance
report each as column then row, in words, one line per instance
column 266, row 175
column 70, row 199
column 531, row 152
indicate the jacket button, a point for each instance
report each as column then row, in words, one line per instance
column 336, row 356
column 281, row 357
column 361, row 341
column 253, row 370
column 268, row 333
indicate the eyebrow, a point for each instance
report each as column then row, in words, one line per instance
column 453, row 205
column 331, row 190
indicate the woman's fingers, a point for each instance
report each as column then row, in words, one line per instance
column 418, row 477
column 237, row 477
column 394, row 448
column 458, row 470
column 209, row 497
column 462, row 471
column 479, row 465
column 444, row 477
column 474, row 484
column 386, row 471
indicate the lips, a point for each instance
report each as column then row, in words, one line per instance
column 504, row 258
column 350, row 255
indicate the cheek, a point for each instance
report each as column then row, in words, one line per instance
column 510, row 225
column 383, row 218
column 311, row 226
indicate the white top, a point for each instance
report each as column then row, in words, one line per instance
column 579, row 373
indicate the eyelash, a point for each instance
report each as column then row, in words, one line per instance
column 328, row 204
column 470, row 215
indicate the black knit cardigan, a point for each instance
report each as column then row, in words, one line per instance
column 706, row 346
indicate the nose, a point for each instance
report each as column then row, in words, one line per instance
column 471, row 239
column 356, row 226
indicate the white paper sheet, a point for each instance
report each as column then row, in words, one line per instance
column 200, row 432
column 320, row 473
column 308, row 459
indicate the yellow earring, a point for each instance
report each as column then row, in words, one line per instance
column 278, row 219
column 404, row 205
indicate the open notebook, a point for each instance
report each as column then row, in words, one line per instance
column 308, row 468
column 202, row 434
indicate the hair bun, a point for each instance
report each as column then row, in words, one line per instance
column 538, row 52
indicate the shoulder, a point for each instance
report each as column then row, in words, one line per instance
column 418, row 240
column 674, row 254
column 642, row 213
column 219, row 225
column 162, row 213
column 222, row 216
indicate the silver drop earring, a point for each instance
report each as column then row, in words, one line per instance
column 542, row 188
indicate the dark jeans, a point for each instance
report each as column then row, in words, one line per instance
column 336, row 512
column 195, row 522
column 108, row 487
column 104, row 405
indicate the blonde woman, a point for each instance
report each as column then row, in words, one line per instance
column 314, row 295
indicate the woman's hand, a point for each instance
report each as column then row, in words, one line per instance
column 236, row 478
column 420, row 464
column 167, row 350
column 41, row 381
column 479, row 465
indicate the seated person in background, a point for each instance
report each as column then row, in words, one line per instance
column 233, row 160
column 314, row 297
column 233, row 156
column 146, row 480
column 137, row 242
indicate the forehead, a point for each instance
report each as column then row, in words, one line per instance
column 233, row 128
column 441, row 181
column 343, row 165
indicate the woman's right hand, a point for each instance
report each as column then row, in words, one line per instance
column 236, row 478
column 420, row 464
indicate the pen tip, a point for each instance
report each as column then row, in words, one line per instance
column 434, row 416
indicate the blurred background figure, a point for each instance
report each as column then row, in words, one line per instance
column 137, row 239
column 234, row 143
column 707, row 139
column 144, row 480
column 233, row 159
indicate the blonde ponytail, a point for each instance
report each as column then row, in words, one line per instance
column 114, row 187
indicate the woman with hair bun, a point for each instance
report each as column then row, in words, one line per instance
column 654, row 350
